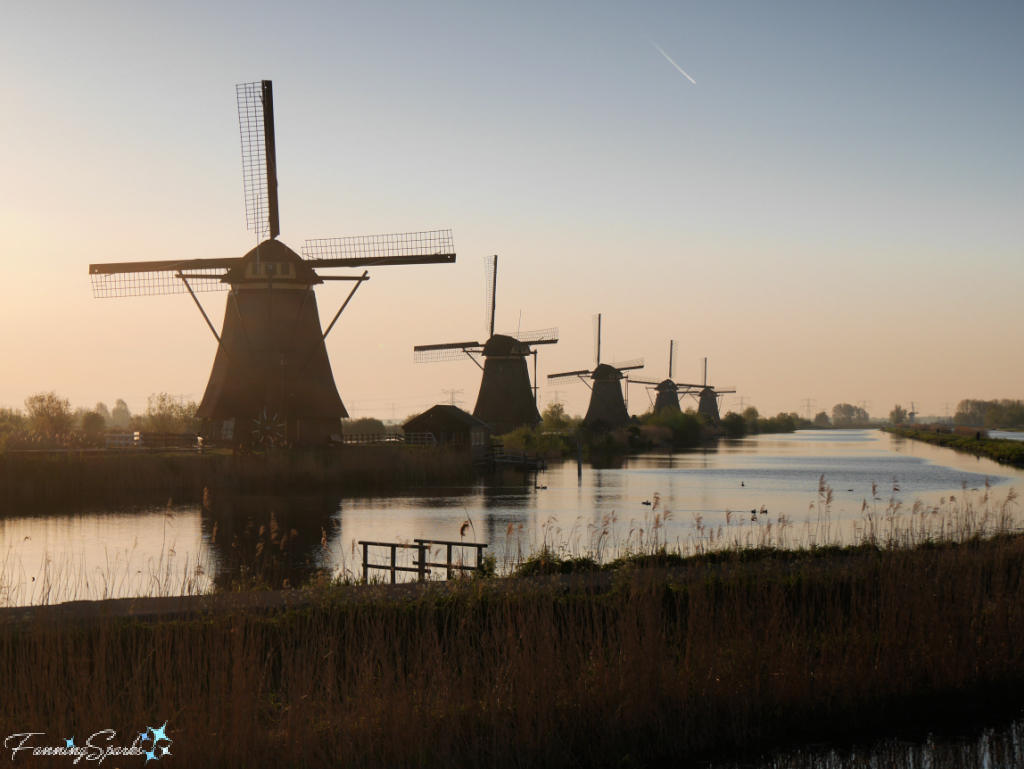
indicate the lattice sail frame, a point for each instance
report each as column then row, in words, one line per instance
column 568, row 377
column 122, row 284
column 627, row 365
column 490, row 290
column 380, row 246
column 444, row 354
column 254, row 157
column 542, row 336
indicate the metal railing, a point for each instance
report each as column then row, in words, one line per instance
column 421, row 566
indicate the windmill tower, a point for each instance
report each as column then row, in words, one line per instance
column 667, row 389
column 506, row 400
column 709, row 397
column 271, row 377
column 607, row 408
column 912, row 414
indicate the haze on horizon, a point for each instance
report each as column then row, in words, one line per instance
column 834, row 209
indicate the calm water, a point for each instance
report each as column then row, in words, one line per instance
column 120, row 551
column 1010, row 435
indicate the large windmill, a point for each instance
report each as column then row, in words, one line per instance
column 506, row 400
column 607, row 408
column 271, row 377
column 668, row 390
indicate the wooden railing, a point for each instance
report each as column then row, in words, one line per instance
column 421, row 566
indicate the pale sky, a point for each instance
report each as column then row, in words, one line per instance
column 833, row 210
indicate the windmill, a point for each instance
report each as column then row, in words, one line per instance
column 271, row 377
column 607, row 408
column 506, row 399
column 667, row 389
column 912, row 414
column 708, row 397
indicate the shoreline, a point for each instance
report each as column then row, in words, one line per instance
column 1002, row 450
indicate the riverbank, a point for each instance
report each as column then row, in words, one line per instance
column 54, row 477
column 639, row 665
column 1009, row 452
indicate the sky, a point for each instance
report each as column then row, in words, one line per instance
column 831, row 209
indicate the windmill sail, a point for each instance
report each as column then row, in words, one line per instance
column 439, row 353
column 491, row 289
column 259, row 157
column 433, row 247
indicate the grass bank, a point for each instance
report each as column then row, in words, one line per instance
column 546, row 672
column 49, row 477
column 1000, row 449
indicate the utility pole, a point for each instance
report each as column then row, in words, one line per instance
column 743, row 400
column 556, row 396
column 946, row 407
column 809, row 403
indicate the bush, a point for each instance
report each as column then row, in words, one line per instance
column 687, row 427
column 533, row 439
column 168, row 414
column 363, row 426
column 734, row 424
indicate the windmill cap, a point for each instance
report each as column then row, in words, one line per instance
column 504, row 346
column 606, row 372
column 666, row 384
column 273, row 251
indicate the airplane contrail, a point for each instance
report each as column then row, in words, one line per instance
column 672, row 62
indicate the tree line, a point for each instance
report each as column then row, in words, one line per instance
column 49, row 421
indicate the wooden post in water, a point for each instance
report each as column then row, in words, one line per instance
column 579, row 462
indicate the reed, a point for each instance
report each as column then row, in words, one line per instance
column 734, row 647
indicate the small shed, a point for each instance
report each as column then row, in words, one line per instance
column 451, row 426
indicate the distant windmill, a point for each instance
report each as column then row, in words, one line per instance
column 271, row 377
column 607, row 407
column 708, row 397
column 506, row 399
column 912, row 413
column 667, row 389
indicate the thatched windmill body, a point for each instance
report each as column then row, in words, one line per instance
column 607, row 407
column 506, row 399
column 271, row 378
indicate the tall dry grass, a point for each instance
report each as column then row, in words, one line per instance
column 541, row 673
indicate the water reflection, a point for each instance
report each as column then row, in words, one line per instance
column 986, row 748
column 124, row 550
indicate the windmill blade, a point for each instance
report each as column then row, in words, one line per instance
column 491, row 292
column 259, row 157
column 629, row 365
column 672, row 358
column 596, row 320
column 111, row 281
column 439, row 353
column 567, row 377
column 723, row 390
column 649, row 382
column 434, row 247
column 544, row 336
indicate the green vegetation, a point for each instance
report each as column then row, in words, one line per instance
column 821, row 419
column 555, row 419
column 1005, row 413
column 898, row 415
column 363, row 426
column 688, row 428
column 534, row 440
column 1000, row 449
column 750, row 422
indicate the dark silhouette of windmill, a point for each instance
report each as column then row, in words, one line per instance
column 708, row 398
column 271, row 377
column 607, row 409
column 667, row 389
column 506, row 400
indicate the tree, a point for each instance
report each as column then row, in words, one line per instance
column 363, row 426
column 821, row 419
column 734, row 424
column 102, row 410
column 898, row 415
column 845, row 415
column 121, row 416
column 48, row 413
column 556, row 418
column 92, row 423
column 168, row 414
